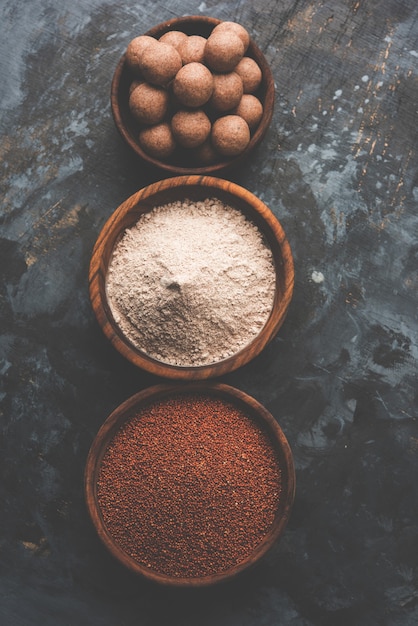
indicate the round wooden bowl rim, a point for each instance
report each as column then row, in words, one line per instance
column 113, row 228
column 257, row 136
column 255, row 410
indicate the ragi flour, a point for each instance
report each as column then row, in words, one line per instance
column 191, row 283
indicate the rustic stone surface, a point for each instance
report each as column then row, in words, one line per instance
column 339, row 168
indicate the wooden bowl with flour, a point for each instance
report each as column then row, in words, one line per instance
column 191, row 277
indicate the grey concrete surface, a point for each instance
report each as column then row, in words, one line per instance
column 339, row 169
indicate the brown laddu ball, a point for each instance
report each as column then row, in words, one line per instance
column 230, row 135
column 223, row 51
column 158, row 140
column 134, row 84
column 149, row 103
column 193, row 84
column 160, row 63
column 174, row 38
column 227, row 91
column 250, row 109
column 205, row 154
column 190, row 127
column 250, row 73
column 135, row 50
column 234, row 27
column 192, row 49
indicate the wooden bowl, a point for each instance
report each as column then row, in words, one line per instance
column 181, row 162
column 175, row 570
column 193, row 188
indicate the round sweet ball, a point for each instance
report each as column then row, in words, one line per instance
column 148, row 103
column 193, row 84
column 135, row 50
column 250, row 73
column 160, row 63
column 250, row 109
column 192, row 49
column 230, row 135
column 158, row 140
column 134, row 84
column 205, row 153
column 174, row 37
column 190, row 128
column 223, row 51
column 227, row 91
column 236, row 28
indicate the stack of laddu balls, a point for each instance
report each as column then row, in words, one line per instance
column 195, row 93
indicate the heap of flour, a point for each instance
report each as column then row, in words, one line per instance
column 192, row 282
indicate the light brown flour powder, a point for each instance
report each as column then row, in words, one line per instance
column 191, row 283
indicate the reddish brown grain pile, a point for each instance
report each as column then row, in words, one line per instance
column 189, row 486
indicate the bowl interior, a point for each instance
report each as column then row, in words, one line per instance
column 193, row 188
column 257, row 413
column 181, row 162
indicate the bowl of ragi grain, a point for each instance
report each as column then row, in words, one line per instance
column 191, row 277
column 193, row 95
column 189, row 485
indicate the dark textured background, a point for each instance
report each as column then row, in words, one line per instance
column 339, row 169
